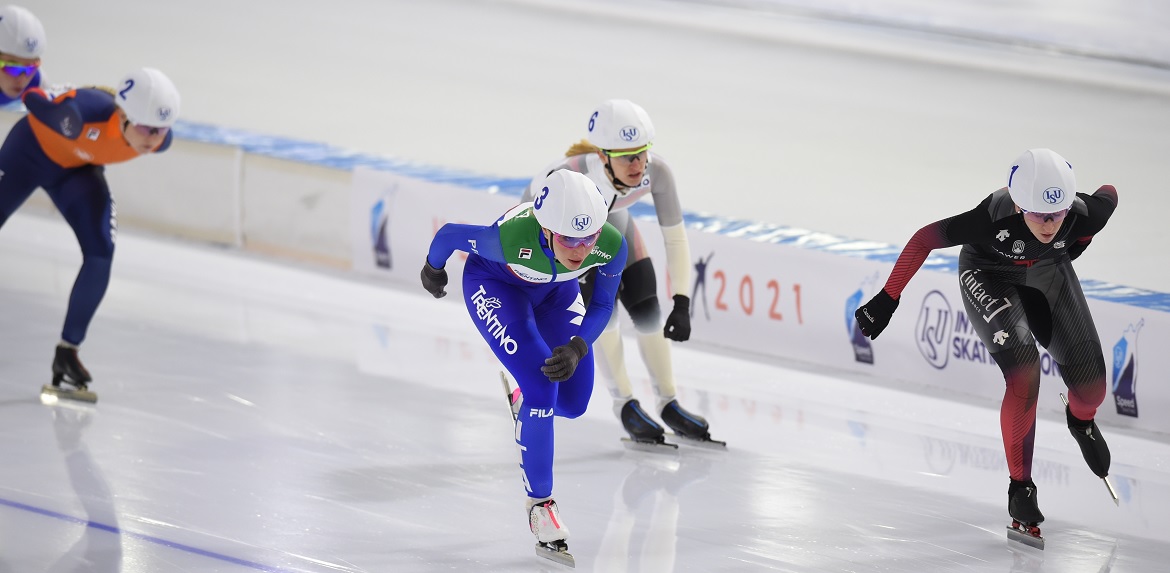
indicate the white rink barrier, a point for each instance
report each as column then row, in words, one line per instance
column 767, row 290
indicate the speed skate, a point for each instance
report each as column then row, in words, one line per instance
column 50, row 394
column 540, row 515
column 1026, row 534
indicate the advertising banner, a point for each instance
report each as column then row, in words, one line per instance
column 394, row 218
column 795, row 301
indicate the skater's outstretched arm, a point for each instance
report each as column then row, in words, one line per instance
column 609, row 276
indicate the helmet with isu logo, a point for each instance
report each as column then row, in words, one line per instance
column 149, row 98
column 21, row 33
column 620, row 124
column 570, row 205
column 1042, row 181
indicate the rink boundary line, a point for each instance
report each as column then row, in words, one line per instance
column 143, row 537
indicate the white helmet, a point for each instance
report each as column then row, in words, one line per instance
column 149, row 98
column 620, row 124
column 21, row 33
column 569, row 204
column 1042, row 182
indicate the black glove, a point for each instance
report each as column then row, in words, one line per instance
column 678, row 324
column 560, row 366
column 434, row 280
column 874, row 315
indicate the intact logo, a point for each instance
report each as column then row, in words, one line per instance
column 629, row 133
column 486, row 310
column 1125, row 371
column 944, row 332
column 525, row 253
column 1018, row 247
column 862, row 346
column 1053, row 195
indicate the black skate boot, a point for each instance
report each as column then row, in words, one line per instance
column 643, row 430
column 1092, row 444
column 1025, row 512
column 67, row 368
column 689, row 426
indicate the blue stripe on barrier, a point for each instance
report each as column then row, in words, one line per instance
column 328, row 156
column 148, row 538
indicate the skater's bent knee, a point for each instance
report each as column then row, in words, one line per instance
column 646, row 315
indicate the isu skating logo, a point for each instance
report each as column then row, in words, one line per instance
column 1125, row 371
column 932, row 332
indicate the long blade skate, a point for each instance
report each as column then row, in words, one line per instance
column 1026, row 534
column 1108, row 484
column 556, row 551
column 508, row 393
column 50, row 394
column 659, row 446
column 705, row 443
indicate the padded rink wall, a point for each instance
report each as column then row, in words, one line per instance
column 766, row 290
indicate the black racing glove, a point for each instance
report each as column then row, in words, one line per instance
column 560, row 366
column 678, row 324
column 874, row 315
column 434, row 280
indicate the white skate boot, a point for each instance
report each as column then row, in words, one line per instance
column 544, row 519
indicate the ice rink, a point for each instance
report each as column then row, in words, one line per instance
column 262, row 416
column 254, row 416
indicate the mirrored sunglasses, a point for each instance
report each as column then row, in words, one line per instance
column 632, row 155
column 574, row 242
column 17, row 69
column 1044, row 217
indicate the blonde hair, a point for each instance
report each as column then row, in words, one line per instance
column 106, row 89
column 581, row 148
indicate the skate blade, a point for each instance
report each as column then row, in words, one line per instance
column 1112, row 492
column 652, row 447
column 50, row 395
column 508, row 393
column 555, row 555
column 1025, row 538
column 707, row 444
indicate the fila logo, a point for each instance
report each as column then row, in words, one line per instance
column 538, row 413
column 93, row 134
column 526, row 253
